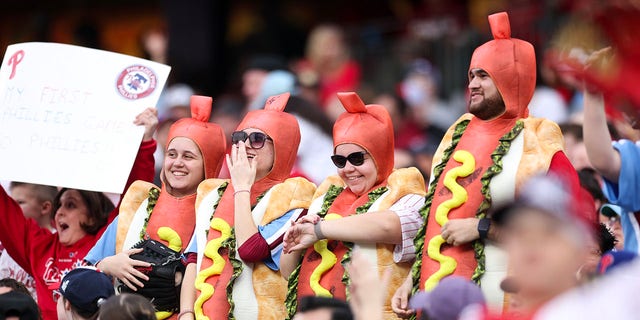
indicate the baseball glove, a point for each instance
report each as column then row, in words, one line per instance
column 165, row 275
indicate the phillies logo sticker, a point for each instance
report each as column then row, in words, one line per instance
column 136, row 82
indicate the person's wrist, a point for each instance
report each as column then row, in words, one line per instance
column 317, row 230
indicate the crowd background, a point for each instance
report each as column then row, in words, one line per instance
column 410, row 56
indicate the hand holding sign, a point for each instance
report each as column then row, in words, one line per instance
column 66, row 114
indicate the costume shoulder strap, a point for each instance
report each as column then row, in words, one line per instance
column 446, row 140
column 291, row 194
column 403, row 182
column 137, row 193
column 328, row 182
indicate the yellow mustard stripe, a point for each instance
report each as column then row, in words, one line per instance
column 211, row 252
column 173, row 238
column 328, row 261
column 458, row 196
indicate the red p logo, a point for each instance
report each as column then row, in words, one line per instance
column 15, row 59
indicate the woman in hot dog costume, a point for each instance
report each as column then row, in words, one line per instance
column 234, row 256
column 368, row 205
column 195, row 152
column 481, row 162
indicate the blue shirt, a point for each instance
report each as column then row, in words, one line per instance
column 626, row 191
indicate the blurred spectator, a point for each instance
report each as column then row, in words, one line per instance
column 274, row 83
column 550, row 98
column 419, row 89
column 36, row 202
column 328, row 56
column 414, row 145
column 16, row 305
column 574, row 145
column 155, row 44
column 545, row 237
column 174, row 102
column 448, row 299
column 127, row 306
column 81, row 292
column 253, row 77
column 322, row 308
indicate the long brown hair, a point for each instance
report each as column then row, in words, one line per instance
column 98, row 209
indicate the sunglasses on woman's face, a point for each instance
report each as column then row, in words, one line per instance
column 356, row 159
column 256, row 139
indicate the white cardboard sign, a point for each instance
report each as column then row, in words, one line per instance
column 66, row 114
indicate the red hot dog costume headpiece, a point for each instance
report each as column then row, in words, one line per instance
column 370, row 127
column 481, row 163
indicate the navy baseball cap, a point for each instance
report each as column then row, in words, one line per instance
column 85, row 288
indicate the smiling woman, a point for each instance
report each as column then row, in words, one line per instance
column 234, row 256
column 368, row 206
column 80, row 217
column 194, row 153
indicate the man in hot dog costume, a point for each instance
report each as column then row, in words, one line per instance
column 234, row 256
column 195, row 151
column 368, row 206
column 481, row 163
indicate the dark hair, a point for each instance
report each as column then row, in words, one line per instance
column 15, row 285
column 98, row 209
column 589, row 182
column 606, row 240
column 85, row 314
column 127, row 306
column 41, row 192
column 339, row 309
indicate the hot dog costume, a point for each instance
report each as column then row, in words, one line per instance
column 147, row 212
column 228, row 287
column 321, row 271
column 481, row 163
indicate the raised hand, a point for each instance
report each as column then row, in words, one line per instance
column 149, row 119
column 241, row 169
column 123, row 267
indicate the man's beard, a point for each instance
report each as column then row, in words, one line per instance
column 489, row 108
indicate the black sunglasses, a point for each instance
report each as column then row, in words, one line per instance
column 256, row 139
column 356, row 159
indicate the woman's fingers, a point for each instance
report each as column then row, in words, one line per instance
column 128, row 284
